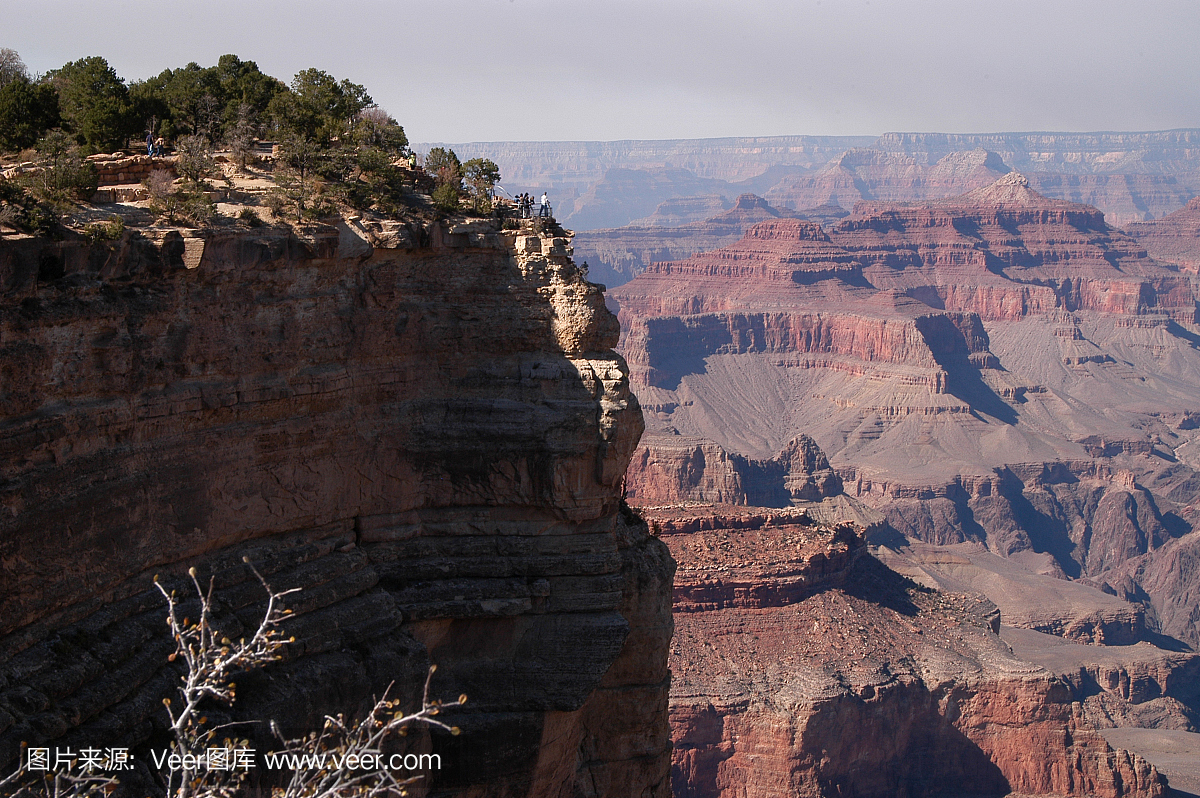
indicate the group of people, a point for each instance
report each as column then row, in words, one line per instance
column 525, row 205
column 155, row 147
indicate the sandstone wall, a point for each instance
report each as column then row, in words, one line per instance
column 124, row 169
column 424, row 427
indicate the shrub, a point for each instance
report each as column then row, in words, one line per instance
column 482, row 176
column 240, row 138
column 276, row 202
column 21, row 211
column 212, row 661
column 109, row 230
column 445, row 167
column 374, row 127
column 11, row 66
column 211, row 101
column 318, row 107
column 12, row 216
column 196, row 208
column 445, row 197
column 187, row 203
column 250, row 217
column 159, row 184
column 95, row 104
column 27, row 111
column 194, row 160
column 63, row 174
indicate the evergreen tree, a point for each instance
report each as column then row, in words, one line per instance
column 482, row 176
column 27, row 111
column 318, row 107
column 94, row 103
column 445, row 167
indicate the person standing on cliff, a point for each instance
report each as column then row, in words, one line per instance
column 545, row 209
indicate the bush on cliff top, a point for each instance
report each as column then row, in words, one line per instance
column 338, row 149
column 63, row 174
column 445, row 198
column 27, row 110
column 210, row 102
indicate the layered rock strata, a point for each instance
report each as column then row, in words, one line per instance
column 802, row 666
column 423, row 426
column 996, row 367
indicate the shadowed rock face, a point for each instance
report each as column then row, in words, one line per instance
column 803, row 666
column 995, row 367
column 429, row 440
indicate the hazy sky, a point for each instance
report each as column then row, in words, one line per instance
column 480, row 70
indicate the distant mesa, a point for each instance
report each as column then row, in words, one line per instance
column 1131, row 177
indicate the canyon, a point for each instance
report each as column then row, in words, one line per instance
column 999, row 388
column 420, row 424
column 925, row 470
column 1174, row 238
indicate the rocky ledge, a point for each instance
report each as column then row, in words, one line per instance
column 423, row 426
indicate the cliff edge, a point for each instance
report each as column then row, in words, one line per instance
column 423, row 426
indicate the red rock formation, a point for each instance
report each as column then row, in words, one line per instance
column 987, row 367
column 670, row 469
column 679, row 211
column 804, row 667
column 1132, row 177
column 1138, row 686
column 1125, row 198
column 429, row 440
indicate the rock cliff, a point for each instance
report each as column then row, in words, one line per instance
column 997, row 367
column 421, row 425
column 805, row 667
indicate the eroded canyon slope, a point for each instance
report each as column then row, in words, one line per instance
column 679, row 227
column 422, row 426
column 803, row 666
column 998, row 369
